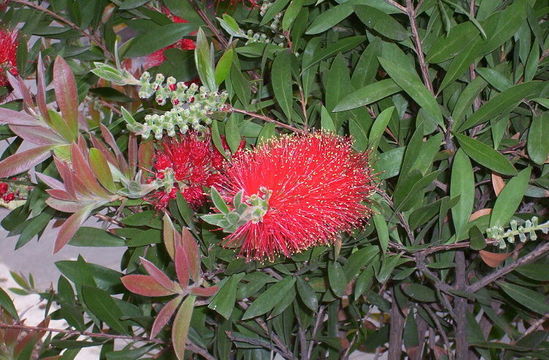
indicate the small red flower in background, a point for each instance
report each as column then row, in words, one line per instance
column 314, row 186
column 158, row 57
column 185, row 164
column 8, row 53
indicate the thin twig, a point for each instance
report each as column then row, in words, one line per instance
column 462, row 341
column 533, row 327
column 488, row 279
column 80, row 333
column 318, row 322
column 218, row 34
column 252, row 341
column 91, row 37
column 397, row 327
column 440, row 329
column 411, row 12
column 397, row 5
column 267, row 119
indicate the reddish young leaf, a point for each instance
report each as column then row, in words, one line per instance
column 51, row 182
column 18, row 84
column 84, row 173
column 145, row 155
column 66, row 93
column 66, row 175
column 164, row 316
column 191, row 249
column 60, row 194
column 145, row 285
column 62, row 205
column 23, row 161
column 181, row 324
column 41, row 89
column 159, row 276
column 182, row 263
column 38, row 135
column 104, row 150
column 109, row 139
column 70, row 226
column 205, row 292
column 169, row 235
column 13, row 117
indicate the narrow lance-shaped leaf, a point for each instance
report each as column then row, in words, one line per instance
column 462, row 183
column 41, row 89
column 23, row 161
column 101, row 169
column 145, row 285
column 190, row 247
column 281, row 74
column 66, row 93
column 182, row 262
column 164, row 316
column 224, row 300
column 538, row 134
column 204, row 61
column 181, row 325
column 84, row 172
column 269, row 298
column 368, row 95
column 12, row 117
column 510, row 198
column 158, row 275
column 223, row 66
column 71, row 225
column 378, row 127
column 485, row 155
column 169, row 235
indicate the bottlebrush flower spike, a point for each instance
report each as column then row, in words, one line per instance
column 300, row 191
column 8, row 53
column 185, row 164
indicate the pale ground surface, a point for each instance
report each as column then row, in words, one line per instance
column 37, row 258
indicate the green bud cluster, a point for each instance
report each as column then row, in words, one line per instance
column 524, row 232
column 192, row 106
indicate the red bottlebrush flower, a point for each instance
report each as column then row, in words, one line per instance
column 185, row 164
column 8, row 53
column 8, row 197
column 3, row 188
column 314, row 187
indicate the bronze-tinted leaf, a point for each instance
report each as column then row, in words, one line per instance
column 164, row 316
column 181, row 325
column 158, row 275
column 13, row 117
column 38, row 135
column 23, row 161
column 493, row 259
column 41, row 89
column 193, row 256
column 66, row 93
column 206, row 292
column 144, row 285
column 70, row 226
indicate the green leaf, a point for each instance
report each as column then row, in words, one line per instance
column 181, row 324
column 381, row 23
column 204, row 61
column 307, row 294
column 268, row 131
column 495, row 78
column 104, row 308
column 337, row 278
column 223, row 68
column 7, row 304
column 382, row 231
column 503, row 103
column 478, row 242
column 447, row 47
column 101, row 169
column 368, row 94
column 326, row 121
column 291, row 14
column 485, row 155
column 462, row 184
column 388, row 163
column 337, row 47
column 509, row 198
column 95, row 237
column 537, row 271
column 359, row 259
column 329, row 18
column 460, row 63
column 419, row 292
column 218, row 201
column 367, row 65
column 465, row 101
column 408, row 79
column 281, row 76
column 269, row 298
column 223, row 302
column 531, row 299
column 274, row 9
column 157, row 38
column 538, row 138
column 387, row 268
column 378, row 127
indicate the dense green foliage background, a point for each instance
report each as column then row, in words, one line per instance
column 449, row 98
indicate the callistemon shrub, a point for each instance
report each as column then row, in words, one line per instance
column 277, row 179
column 302, row 190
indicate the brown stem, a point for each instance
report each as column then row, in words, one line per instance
column 462, row 343
column 82, row 333
column 318, row 322
column 396, row 326
column 440, row 329
column 218, row 34
column 91, row 37
column 411, row 12
column 267, row 119
column 490, row 278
